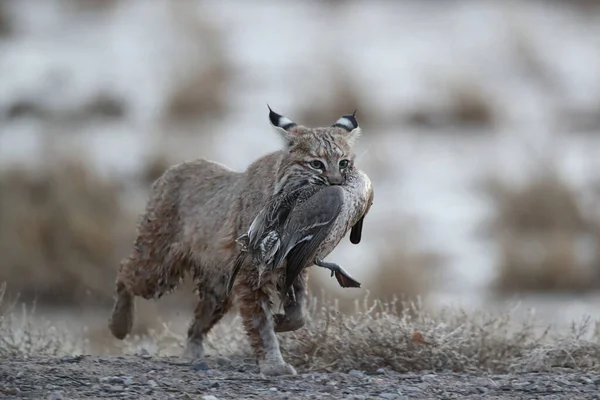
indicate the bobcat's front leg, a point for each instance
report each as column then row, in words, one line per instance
column 258, row 322
column 295, row 307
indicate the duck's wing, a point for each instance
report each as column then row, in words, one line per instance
column 237, row 265
column 262, row 238
column 307, row 226
column 273, row 214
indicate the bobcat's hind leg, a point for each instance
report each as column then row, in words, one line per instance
column 147, row 279
column 121, row 319
column 258, row 321
column 294, row 308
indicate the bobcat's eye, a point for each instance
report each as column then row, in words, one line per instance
column 344, row 164
column 316, row 164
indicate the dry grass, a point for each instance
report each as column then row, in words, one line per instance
column 63, row 232
column 21, row 336
column 408, row 338
column 377, row 335
column 540, row 229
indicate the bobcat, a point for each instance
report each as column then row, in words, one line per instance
column 198, row 209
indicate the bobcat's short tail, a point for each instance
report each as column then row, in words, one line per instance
column 121, row 319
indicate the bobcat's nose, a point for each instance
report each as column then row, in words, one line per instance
column 335, row 179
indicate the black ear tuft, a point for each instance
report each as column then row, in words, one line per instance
column 347, row 122
column 279, row 121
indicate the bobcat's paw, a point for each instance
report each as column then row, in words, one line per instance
column 272, row 369
column 285, row 323
column 194, row 350
column 121, row 318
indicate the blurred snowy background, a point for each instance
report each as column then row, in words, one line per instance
column 481, row 124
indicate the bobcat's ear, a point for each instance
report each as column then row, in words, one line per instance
column 283, row 126
column 350, row 125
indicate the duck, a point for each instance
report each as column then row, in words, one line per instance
column 305, row 224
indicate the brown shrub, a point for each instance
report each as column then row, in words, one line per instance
column 62, row 233
column 5, row 24
column 94, row 6
column 465, row 105
column 199, row 90
column 399, row 270
column 154, row 168
column 341, row 96
column 540, row 229
column 544, row 203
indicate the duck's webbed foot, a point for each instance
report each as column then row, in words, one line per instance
column 344, row 278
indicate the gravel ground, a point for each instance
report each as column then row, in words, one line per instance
column 145, row 377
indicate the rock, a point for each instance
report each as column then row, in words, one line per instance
column 355, row 372
column 380, row 371
column 115, row 388
column 223, row 361
column 111, row 379
column 127, row 381
column 15, row 391
column 388, row 396
column 55, row 396
column 11, row 391
column 201, row 366
column 273, row 389
column 152, row 383
column 411, row 389
column 209, row 397
column 586, row 380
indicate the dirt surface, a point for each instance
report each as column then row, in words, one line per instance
column 145, row 377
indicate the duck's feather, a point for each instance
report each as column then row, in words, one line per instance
column 263, row 237
column 306, row 228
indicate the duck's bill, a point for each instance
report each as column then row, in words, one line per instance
column 345, row 280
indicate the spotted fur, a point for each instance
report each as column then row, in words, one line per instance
column 195, row 212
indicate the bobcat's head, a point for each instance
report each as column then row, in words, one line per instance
column 322, row 156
